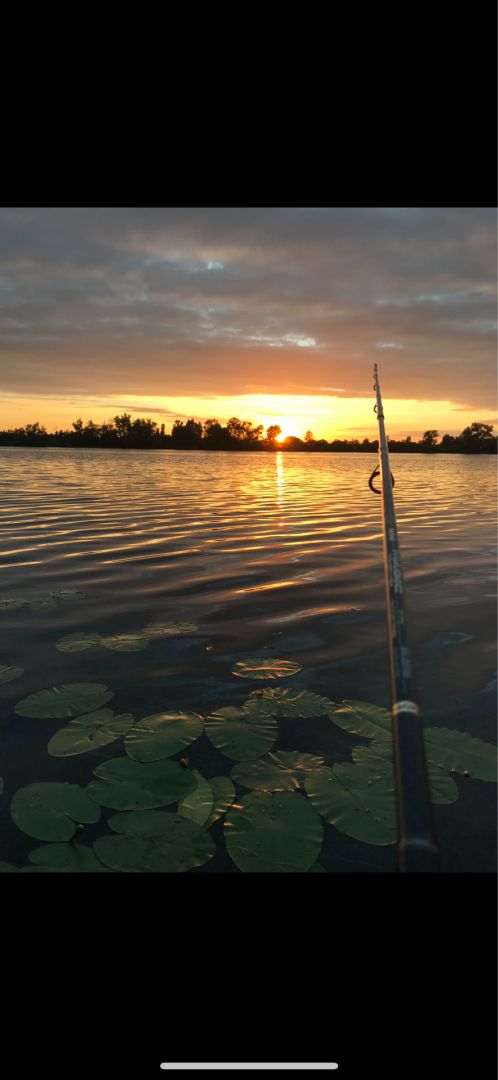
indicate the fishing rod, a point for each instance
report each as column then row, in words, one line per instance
column 417, row 850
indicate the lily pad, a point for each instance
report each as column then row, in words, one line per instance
column 241, row 734
column 362, row 718
column 379, row 755
column 77, row 642
column 87, row 732
column 162, row 734
column 123, row 784
column 76, row 858
column 48, row 811
column 73, row 699
column 154, row 841
column 8, row 868
column 169, row 629
column 224, row 794
column 279, row 702
column 285, row 770
column 357, row 799
column 266, row 667
column 198, row 804
column 11, row 605
column 125, row 642
column 273, row 833
column 67, row 594
column 8, row 673
column 456, row 750
column 45, row 603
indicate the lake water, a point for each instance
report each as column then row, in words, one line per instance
column 268, row 555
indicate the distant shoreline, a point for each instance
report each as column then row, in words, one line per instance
column 416, row 449
column 123, row 433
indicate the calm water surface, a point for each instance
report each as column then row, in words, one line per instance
column 269, row 555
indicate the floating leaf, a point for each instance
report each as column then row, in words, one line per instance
column 154, row 841
column 380, row 755
column 169, row 629
column 76, row 858
column 284, row 770
column 362, row 718
column 125, row 642
column 8, row 673
column 357, row 799
column 11, row 605
column 46, row 603
column 162, row 734
column 456, row 750
column 317, row 869
column 273, row 833
column 70, row 700
column 87, row 732
column 67, row 594
column 127, row 785
column 240, row 734
column 266, row 667
column 48, row 811
column 224, row 794
column 279, row 702
column 77, row 642
column 198, row 804
column 7, row 868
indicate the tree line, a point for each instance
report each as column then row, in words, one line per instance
column 146, row 434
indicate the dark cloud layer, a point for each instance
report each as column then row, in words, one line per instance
column 227, row 301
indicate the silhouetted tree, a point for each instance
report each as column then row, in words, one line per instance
column 429, row 439
column 271, row 433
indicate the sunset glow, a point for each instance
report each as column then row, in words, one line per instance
column 275, row 316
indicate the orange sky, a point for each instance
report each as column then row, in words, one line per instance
column 274, row 315
column 328, row 417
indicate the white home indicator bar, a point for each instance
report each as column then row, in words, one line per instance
column 249, row 1065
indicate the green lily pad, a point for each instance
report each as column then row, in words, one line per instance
column 124, row 784
column 456, row 750
column 224, row 794
column 8, row 868
column 11, row 605
column 273, row 833
column 67, row 594
column 379, row 755
column 8, row 673
column 241, row 734
column 70, row 700
column 87, row 732
column 125, row 642
column 284, row 770
column 77, row 642
column 198, row 804
column 279, row 702
column 362, row 718
column 169, row 629
column 162, row 734
column 154, row 842
column 76, row 858
column 357, row 799
column 48, row 811
column 266, row 667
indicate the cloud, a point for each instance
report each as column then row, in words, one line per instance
column 234, row 301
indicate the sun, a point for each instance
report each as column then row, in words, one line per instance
column 281, row 437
